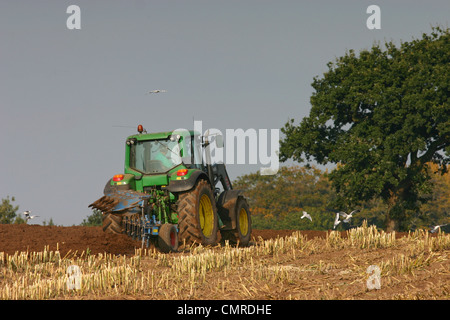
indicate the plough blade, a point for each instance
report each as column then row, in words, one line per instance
column 119, row 200
column 104, row 204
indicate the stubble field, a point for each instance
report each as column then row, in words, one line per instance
column 36, row 263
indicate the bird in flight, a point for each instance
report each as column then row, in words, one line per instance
column 28, row 216
column 336, row 221
column 157, row 91
column 436, row 228
column 306, row 215
column 347, row 216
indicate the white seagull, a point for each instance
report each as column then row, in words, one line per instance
column 436, row 228
column 306, row 215
column 27, row 215
column 336, row 221
column 347, row 216
column 157, row 91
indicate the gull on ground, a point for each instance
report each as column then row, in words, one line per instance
column 436, row 228
column 27, row 215
column 306, row 215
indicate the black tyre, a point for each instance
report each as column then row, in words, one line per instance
column 112, row 223
column 168, row 238
column 197, row 214
column 243, row 231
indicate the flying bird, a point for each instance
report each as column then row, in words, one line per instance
column 347, row 216
column 336, row 221
column 28, row 216
column 436, row 228
column 306, row 215
column 157, row 91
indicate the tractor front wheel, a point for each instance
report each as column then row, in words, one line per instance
column 243, row 230
column 112, row 223
column 244, row 222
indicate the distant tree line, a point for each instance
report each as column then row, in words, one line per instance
column 8, row 211
column 9, row 214
column 278, row 201
column 93, row 220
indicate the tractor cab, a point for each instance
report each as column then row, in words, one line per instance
column 154, row 156
column 159, row 153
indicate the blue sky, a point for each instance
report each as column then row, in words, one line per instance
column 67, row 96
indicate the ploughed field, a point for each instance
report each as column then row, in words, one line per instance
column 362, row 263
column 24, row 237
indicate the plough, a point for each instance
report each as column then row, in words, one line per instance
column 143, row 213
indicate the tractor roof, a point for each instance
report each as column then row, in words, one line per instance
column 162, row 135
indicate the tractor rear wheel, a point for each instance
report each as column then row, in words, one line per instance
column 197, row 214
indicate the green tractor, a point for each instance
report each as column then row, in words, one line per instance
column 168, row 195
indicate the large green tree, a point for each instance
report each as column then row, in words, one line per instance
column 380, row 115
